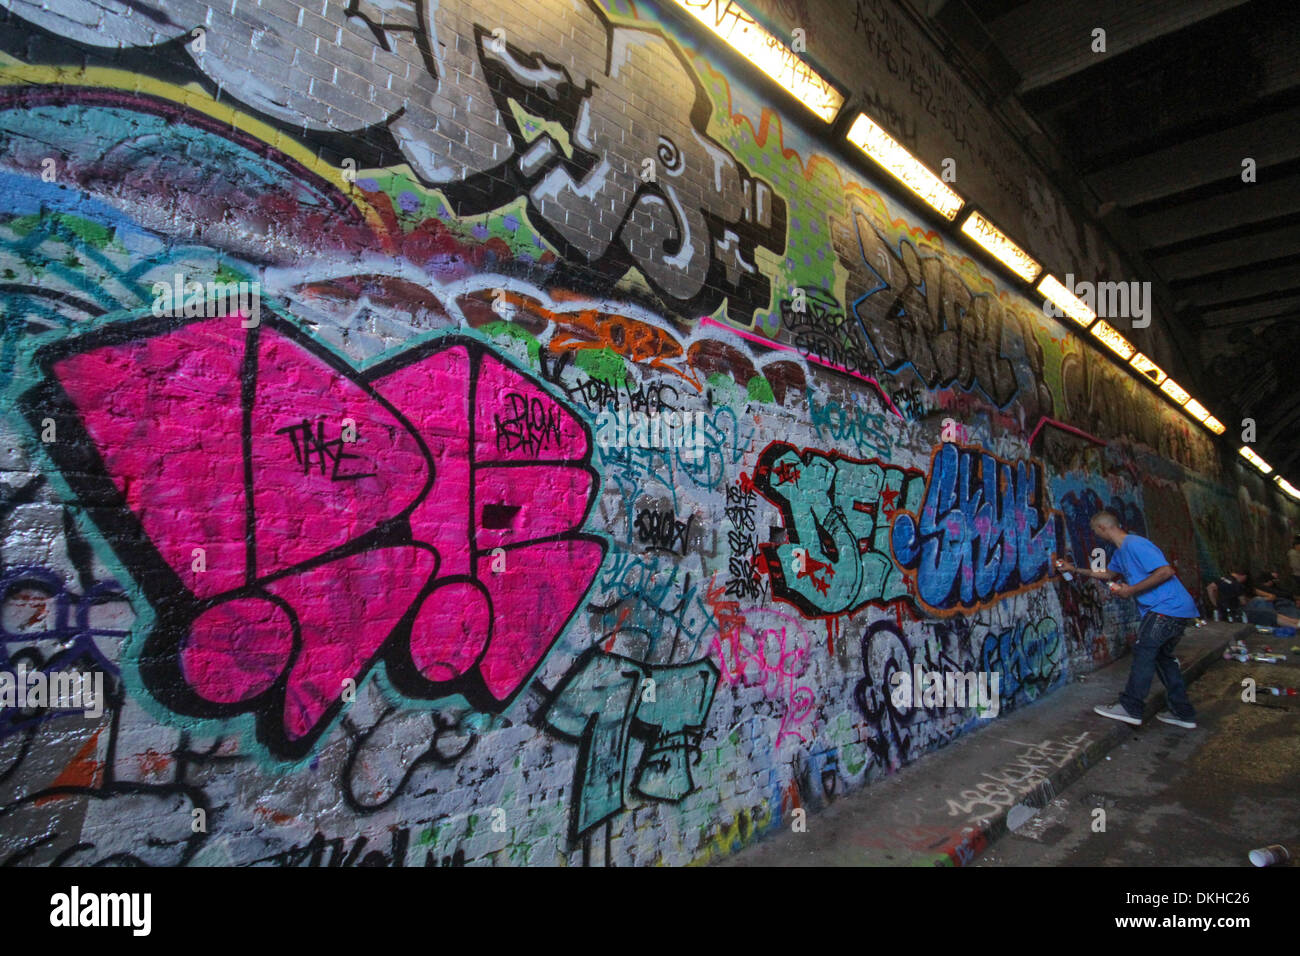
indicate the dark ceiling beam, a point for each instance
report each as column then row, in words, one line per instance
column 1205, row 159
column 1046, row 40
column 1167, row 339
column 1282, row 417
column 1247, row 62
column 1256, row 298
column 1227, row 254
column 1241, row 285
column 1287, row 467
column 1251, row 202
column 964, row 28
column 1282, row 307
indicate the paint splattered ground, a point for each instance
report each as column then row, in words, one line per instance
column 1018, row 794
column 1183, row 798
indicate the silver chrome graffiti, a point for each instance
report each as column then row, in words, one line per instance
column 481, row 103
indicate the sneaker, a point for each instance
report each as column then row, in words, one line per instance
column 1168, row 717
column 1117, row 712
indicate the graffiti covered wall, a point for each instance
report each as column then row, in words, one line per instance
column 458, row 437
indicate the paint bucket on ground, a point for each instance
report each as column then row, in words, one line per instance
column 1270, row 855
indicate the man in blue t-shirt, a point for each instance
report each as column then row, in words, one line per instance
column 1166, row 609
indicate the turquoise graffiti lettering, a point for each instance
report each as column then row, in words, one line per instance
column 836, row 512
column 605, row 703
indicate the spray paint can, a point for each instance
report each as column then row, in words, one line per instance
column 1270, row 855
column 1065, row 574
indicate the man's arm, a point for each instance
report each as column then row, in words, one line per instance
column 1153, row 580
column 1099, row 575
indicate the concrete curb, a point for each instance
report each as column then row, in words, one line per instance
column 975, row 839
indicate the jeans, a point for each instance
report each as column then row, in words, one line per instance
column 1154, row 654
column 1261, row 612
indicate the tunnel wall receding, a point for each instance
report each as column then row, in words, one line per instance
column 517, row 433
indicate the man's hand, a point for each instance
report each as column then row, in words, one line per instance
column 1065, row 567
column 1122, row 590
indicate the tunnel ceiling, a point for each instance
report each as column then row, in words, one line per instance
column 1154, row 130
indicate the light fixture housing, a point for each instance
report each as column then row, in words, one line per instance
column 894, row 158
column 1196, row 410
column 999, row 245
column 1051, row 289
column 1149, row 369
column 1287, row 487
column 1113, row 340
column 1177, row 394
column 731, row 23
column 1214, row 425
column 1254, row 459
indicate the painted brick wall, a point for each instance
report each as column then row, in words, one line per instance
column 565, row 446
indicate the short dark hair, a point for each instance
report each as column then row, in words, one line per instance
column 1105, row 517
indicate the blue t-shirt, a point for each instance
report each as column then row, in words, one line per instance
column 1136, row 559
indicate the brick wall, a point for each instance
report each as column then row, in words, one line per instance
column 510, row 433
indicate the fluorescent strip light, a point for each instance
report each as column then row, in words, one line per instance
column 1196, row 410
column 1177, row 394
column 1286, row 486
column 1065, row 300
column 1148, row 368
column 995, row 242
column 1214, row 425
column 729, row 21
column 1254, row 459
column 894, row 158
column 1113, row 340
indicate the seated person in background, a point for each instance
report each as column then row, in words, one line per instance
column 1274, row 585
column 1269, row 601
column 1228, row 594
column 1263, row 607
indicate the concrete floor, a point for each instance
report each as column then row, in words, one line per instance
column 1204, row 797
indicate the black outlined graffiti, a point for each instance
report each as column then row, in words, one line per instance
column 479, row 101
column 837, row 512
column 264, row 588
column 662, row 531
column 605, row 703
column 917, row 312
